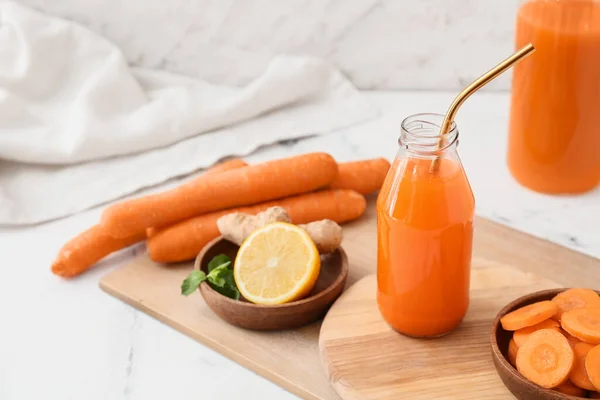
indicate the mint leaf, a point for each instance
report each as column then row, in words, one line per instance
column 227, row 291
column 218, row 275
column 221, row 280
column 191, row 283
column 218, row 260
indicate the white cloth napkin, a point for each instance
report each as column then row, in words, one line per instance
column 79, row 127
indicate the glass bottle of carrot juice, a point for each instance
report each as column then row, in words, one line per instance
column 424, row 232
column 554, row 134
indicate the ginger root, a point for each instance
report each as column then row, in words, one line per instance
column 236, row 227
column 326, row 234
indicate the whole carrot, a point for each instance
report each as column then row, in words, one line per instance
column 224, row 166
column 184, row 240
column 84, row 250
column 364, row 176
column 213, row 192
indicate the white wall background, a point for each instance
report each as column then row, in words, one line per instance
column 379, row 44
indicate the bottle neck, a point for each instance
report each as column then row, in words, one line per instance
column 420, row 136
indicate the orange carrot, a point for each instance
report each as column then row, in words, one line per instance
column 224, row 166
column 572, row 339
column 212, row 192
column 364, row 176
column 184, row 240
column 578, row 375
column 570, row 389
column 546, row 358
column 512, row 352
column 583, row 323
column 592, row 366
column 528, row 315
column 575, row 298
column 521, row 336
column 228, row 165
column 87, row 248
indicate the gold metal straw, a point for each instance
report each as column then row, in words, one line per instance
column 472, row 88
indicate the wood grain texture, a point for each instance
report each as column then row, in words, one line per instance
column 365, row 359
column 154, row 289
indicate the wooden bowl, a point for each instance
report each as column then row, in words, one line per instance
column 520, row 387
column 242, row 313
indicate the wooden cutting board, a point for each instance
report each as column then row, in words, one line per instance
column 365, row 359
column 154, row 289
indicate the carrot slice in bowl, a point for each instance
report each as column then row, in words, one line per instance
column 574, row 298
column 529, row 315
column 520, row 336
column 592, row 366
column 572, row 339
column 546, row 358
column 583, row 323
column 570, row 389
column 513, row 349
column 578, row 375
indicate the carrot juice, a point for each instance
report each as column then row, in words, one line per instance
column 554, row 134
column 425, row 234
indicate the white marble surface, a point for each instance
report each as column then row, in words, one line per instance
column 69, row 340
column 379, row 44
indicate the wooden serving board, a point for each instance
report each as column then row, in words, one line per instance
column 365, row 359
column 155, row 289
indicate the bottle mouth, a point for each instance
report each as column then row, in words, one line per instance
column 421, row 134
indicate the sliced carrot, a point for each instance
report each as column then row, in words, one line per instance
column 578, row 375
column 512, row 352
column 520, row 336
column 212, row 192
column 570, row 389
column 84, row 250
column 364, row 176
column 228, row 165
column 592, row 366
column 546, row 358
column 528, row 315
column 583, row 323
column 572, row 339
column 184, row 240
column 575, row 298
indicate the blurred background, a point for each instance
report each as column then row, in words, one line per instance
column 378, row 44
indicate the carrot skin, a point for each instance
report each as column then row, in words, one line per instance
column 364, row 177
column 212, row 192
column 81, row 252
column 229, row 165
column 184, row 240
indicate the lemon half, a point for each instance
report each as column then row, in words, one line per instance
column 276, row 264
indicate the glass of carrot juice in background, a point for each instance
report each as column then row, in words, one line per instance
column 424, row 233
column 554, row 136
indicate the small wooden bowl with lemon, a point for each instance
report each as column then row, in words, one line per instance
column 282, row 279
